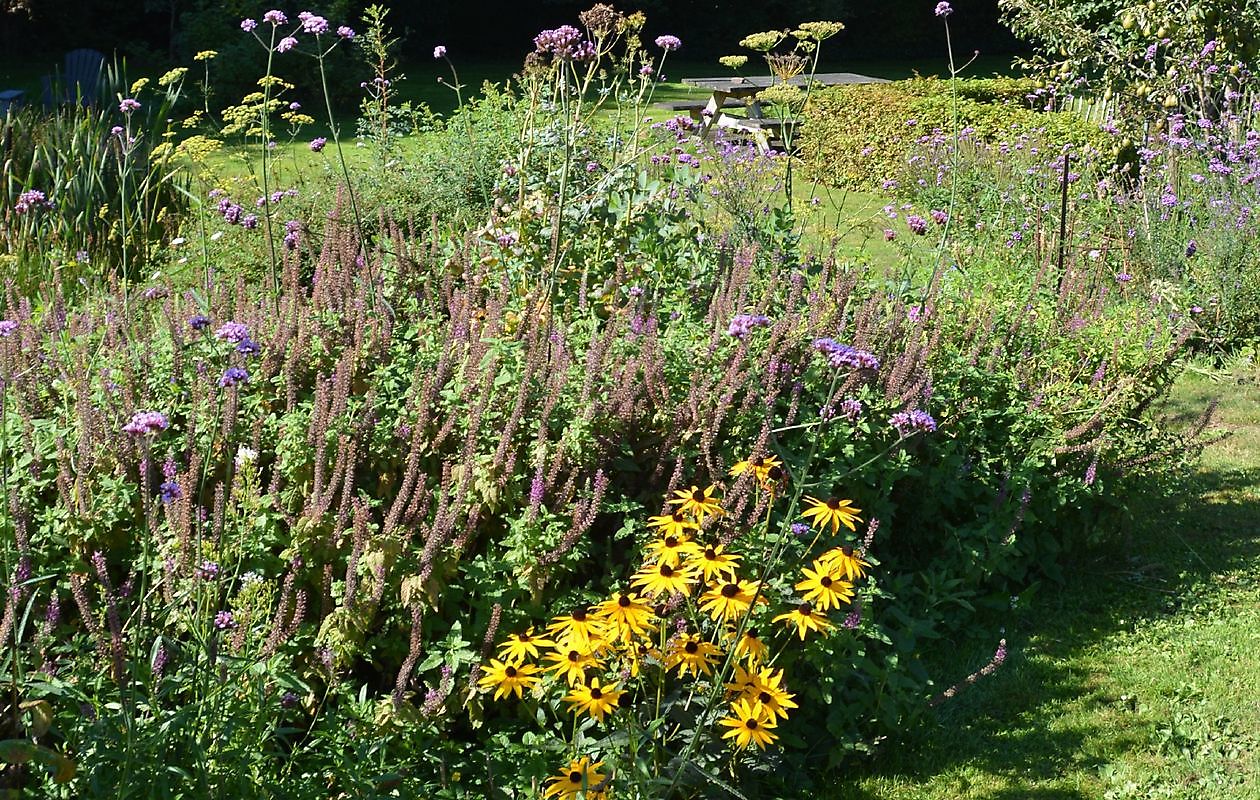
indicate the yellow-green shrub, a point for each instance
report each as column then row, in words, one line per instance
column 859, row 135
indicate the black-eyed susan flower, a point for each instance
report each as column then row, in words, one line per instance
column 832, row 512
column 750, row 646
column 520, row 646
column 508, row 679
column 767, row 471
column 765, row 686
column 675, row 524
column 741, row 680
column 697, row 502
column 845, row 561
column 749, row 723
column 594, row 700
column 729, row 599
column 635, row 655
column 714, row 563
column 692, row 654
column 804, row 617
column 825, row 588
column 571, row 665
column 580, row 776
column 671, row 549
column 662, row 578
column 627, row 616
column 577, row 629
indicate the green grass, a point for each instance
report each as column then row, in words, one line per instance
column 1139, row 677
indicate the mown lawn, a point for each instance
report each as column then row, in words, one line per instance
column 1139, row 677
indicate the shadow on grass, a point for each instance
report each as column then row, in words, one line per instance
column 1045, row 725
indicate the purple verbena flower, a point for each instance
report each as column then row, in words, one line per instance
column 439, row 52
column 199, row 322
column 917, row 224
column 313, row 23
column 318, row 143
column 286, row 44
column 743, row 324
column 275, row 17
column 345, row 32
column 232, row 332
column 1192, row 247
column 7, row 327
column 31, row 199
column 668, row 43
column 248, row 24
column 208, row 570
column 913, row 421
column 800, row 530
column 129, row 105
column 939, row 217
column 170, row 491
column 234, row 375
column 146, row 423
column 843, row 355
column 850, row 409
column 248, row 347
column 224, row 621
column 943, row 9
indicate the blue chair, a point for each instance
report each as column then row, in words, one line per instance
column 80, row 82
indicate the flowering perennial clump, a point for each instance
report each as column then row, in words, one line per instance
column 696, row 613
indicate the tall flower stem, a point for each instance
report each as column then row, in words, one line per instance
column 265, row 122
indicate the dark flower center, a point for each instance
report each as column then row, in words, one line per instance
column 710, row 554
column 751, row 633
column 510, row 672
column 623, row 601
column 758, row 462
column 775, row 474
column 847, row 550
column 752, row 724
column 764, row 697
column 667, row 571
column 805, row 609
column 523, row 637
column 833, row 503
column 692, row 648
column 575, row 656
column 671, row 541
column 825, row 581
column 730, row 590
column 575, row 777
column 697, row 496
column 596, row 693
column 678, row 517
column 579, row 615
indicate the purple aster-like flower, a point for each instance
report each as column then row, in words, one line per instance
column 668, row 43
column 199, row 322
column 234, row 375
column 248, row 24
column 939, row 217
column 232, row 332
column 249, row 222
column 800, row 530
column 146, row 423
column 275, row 17
column 439, row 51
column 317, row 144
column 743, row 324
column 913, row 421
column 286, row 44
column 843, row 355
column 917, row 224
column 943, row 9
column 345, row 32
column 7, row 327
column 224, row 621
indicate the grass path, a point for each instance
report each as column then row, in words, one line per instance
column 1137, row 678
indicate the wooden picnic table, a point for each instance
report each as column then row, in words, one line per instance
column 724, row 90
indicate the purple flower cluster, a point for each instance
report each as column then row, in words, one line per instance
column 275, row 17
column 170, row 491
column 345, row 32
column 843, row 355
column 291, row 229
column 312, row 23
column 7, row 327
column 318, row 143
column 31, row 199
column 850, row 409
column 943, row 9
column 233, row 376
column 744, row 324
column 224, row 620
column 286, row 44
column 668, row 43
column 939, row 217
column 917, row 224
column 234, row 332
column 129, row 105
column 146, row 423
column 199, row 322
column 439, row 52
column 913, row 421
column 564, row 44
column 208, row 570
